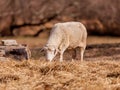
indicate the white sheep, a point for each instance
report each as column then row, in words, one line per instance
column 63, row 36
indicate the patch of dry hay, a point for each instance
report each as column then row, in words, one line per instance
column 43, row 75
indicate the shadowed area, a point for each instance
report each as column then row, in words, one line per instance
column 94, row 51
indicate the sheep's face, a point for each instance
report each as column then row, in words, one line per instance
column 50, row 52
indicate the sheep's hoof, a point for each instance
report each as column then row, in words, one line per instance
column 72, row 60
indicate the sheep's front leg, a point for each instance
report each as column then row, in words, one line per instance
column 62, row 48
column 61, row 56
column 74, row 54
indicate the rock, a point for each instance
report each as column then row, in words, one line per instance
column 2, row 53
column 9, row 42
column 10, row 49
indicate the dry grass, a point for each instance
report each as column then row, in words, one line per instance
column 100, row 71
column 43, row 75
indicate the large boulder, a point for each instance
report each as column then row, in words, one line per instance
column 99, row 16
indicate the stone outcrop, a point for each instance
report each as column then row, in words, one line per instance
column 11, row 49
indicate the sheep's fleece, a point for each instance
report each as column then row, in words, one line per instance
column 63, row 36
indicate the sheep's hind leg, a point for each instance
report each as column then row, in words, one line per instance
column 74, row 54
column 82, row 52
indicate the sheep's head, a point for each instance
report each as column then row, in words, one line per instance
column 51, row 52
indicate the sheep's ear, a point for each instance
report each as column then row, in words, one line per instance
column 43, row 49
column 55, row 52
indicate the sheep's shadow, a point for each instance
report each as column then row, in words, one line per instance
column 92, row 52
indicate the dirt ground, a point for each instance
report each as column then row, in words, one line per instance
column 100, row 69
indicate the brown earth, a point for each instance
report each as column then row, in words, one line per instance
column 31, row 17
